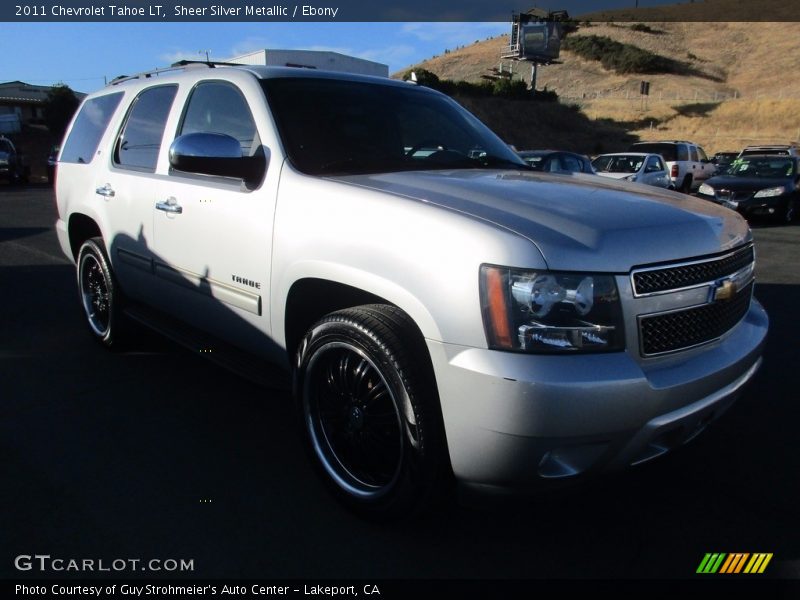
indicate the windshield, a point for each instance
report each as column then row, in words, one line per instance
column 762, row 167
column 617, row 164
column 331, row 126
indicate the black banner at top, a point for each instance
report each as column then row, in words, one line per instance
column 376, row 11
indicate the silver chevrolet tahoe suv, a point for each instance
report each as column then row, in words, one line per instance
column 446, row 313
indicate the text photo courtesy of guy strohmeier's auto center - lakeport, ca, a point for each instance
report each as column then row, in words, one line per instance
column 349, row 307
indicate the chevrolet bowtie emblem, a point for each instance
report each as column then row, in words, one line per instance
column 724, row 291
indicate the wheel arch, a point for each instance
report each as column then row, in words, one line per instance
column 81, row 227
column 311, row 298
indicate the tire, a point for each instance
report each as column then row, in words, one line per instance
column 686, row 186
column 789, row 212
column 99, row 294
column 366, row 400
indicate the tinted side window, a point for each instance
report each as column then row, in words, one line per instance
column 89, row 126
column 693, row 153
column 140, row 140
column 570, row 163
column 652, row 164
column 702, row 154
column 668, row 151
column 217, row 107
column 682, row 152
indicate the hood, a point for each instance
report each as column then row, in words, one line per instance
column 615, row 175
column 578, row 222
column 737, row 184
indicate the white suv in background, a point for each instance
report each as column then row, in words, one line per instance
column 687, row 162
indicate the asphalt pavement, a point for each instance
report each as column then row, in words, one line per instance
column 156, row 453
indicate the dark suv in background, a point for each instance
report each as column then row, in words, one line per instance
column 12, row 168
column 687, row 162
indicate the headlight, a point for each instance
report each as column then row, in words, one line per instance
column 546, row 311
column 770, row 192
column 706, row 190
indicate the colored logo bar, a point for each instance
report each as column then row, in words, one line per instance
column 735, row 562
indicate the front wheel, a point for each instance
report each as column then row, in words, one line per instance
column 99, row 294
column 367, row 402
column 789, row 212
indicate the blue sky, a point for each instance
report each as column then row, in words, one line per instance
column 81, row 54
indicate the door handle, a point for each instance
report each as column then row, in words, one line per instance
column 105, row 190
column 170, row 205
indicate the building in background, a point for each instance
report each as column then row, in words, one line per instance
column 22, row 104
column 312, row 59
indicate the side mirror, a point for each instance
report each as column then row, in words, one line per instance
column 215, row 154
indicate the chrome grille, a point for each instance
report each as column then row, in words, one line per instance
column 681, row 329
column 661, row 279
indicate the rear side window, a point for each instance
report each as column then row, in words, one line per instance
column 693, row 153
column 89, row 126
column 570, row 163
column 683, row 152
column 654, row 164
column 139, row 141
column 668, row 151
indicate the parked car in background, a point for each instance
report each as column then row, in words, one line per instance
column 758, row 185
column 12, row 167
column 556, row 161
column 722, row 160
column 52, row 161
column 687, row 162
column 640, row 167
column 776, row 149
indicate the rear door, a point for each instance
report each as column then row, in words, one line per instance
column 654, row 172
column 127, row 190
column 706, row 169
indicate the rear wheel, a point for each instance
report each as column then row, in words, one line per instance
column 686, row 186
column 368, row 406
column 99, row 294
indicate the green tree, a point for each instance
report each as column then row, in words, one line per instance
column 59, row 108
column 424, row 77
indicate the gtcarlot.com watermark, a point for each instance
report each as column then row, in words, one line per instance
column 44, row 563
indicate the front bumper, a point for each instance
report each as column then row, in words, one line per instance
column 752, row 207
column 517, row 420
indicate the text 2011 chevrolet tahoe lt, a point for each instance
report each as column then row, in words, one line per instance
column 444, row 311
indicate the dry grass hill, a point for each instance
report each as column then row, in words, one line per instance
column 739, row 85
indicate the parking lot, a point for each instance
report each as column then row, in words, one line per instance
column 156, row 453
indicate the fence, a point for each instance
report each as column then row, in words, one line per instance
column 675, row 95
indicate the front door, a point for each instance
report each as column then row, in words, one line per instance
column 213, row 234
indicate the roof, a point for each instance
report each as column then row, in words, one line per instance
column 262, row 72
column 629, row 154
column 26, row 93
column 19, row 91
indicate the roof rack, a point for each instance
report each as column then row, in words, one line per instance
column 176, row 66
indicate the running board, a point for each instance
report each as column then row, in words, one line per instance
column 260, row 372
